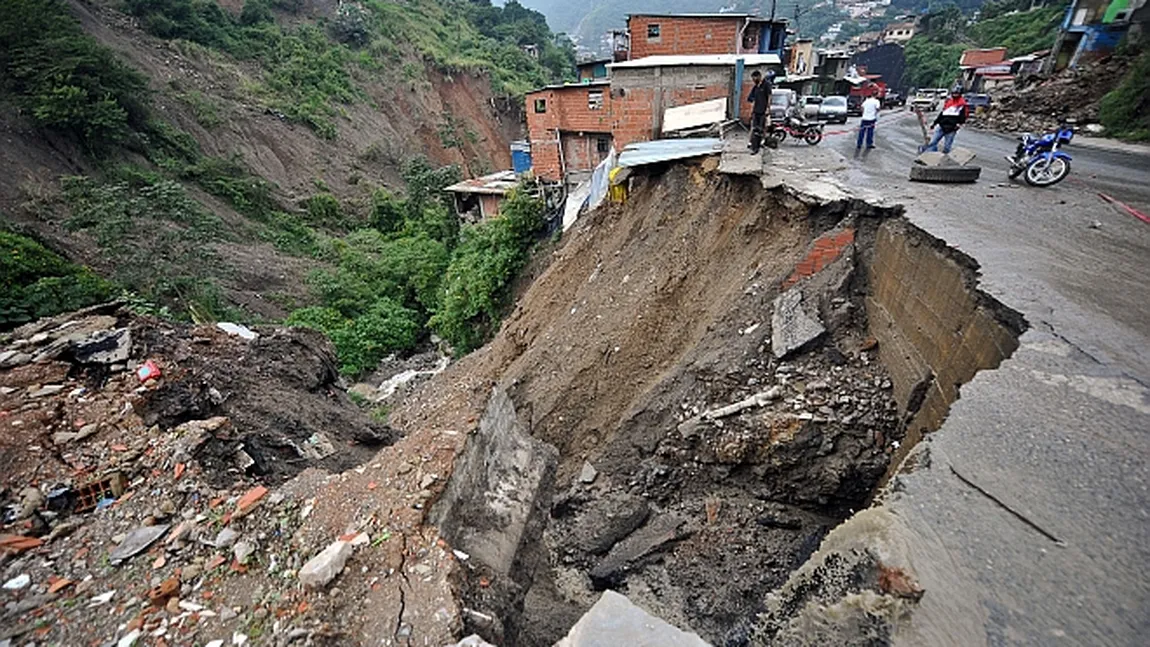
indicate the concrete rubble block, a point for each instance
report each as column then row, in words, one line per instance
column 588, row 474
column 651, row 538
column 791, row 327
column 961, row 156
column 614, row 620
column 104, row 347
column 931, row 158
column 472, row 641
column 498, row 494
column 325, row 566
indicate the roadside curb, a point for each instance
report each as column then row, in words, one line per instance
column 1107, row 144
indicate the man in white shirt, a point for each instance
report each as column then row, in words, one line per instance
column 866, row 126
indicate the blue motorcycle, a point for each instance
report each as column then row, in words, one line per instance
column 1040, row 157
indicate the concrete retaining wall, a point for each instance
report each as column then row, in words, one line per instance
column 935, row 329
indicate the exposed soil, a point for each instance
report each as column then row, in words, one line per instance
column 651, row 314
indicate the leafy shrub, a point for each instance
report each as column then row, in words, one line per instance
column 64, row 79
column 351, row 25
column 324, row 209
column 1125, row 110
column 478, row 280
column 154, row 235
column 36, row 282
column 360, row 343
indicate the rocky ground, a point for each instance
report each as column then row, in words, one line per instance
column 140, row 467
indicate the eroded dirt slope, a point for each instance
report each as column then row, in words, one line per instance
column 652, row 314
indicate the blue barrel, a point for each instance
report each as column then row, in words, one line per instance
column 520, row 157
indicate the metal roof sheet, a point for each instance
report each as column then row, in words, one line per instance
column 665, row 150
column 674, row 60
column 495, row 184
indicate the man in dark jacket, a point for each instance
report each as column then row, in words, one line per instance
column 760, row 98
column 949, row 120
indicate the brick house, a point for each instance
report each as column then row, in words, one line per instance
column 692, row 34
column 570, row 129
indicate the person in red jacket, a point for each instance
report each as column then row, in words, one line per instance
column 949, row 120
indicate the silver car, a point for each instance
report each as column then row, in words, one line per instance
column 831, row 109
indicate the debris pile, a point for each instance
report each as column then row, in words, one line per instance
column 1074, row 93
column 135, row 464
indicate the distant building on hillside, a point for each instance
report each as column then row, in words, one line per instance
column 898, row 32
column 982, row 67
column 592, row 70
column 1093, row 28
column 480, row 198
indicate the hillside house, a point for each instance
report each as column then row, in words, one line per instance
column 898, row 32
column 592, row 70
column 1093, row 28
column 573, row 127
column 570, row 129
column 977, row 64
column 703, row 33
column 479, row 198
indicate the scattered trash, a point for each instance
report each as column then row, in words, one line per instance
column 237, row 330
column 148, row 371
column 103, row 598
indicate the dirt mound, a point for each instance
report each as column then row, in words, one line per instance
column 77, row 380
column 1074, row 93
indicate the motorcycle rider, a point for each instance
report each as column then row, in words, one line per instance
column 949, row 120
column 760, row 98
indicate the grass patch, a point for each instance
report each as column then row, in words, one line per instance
column 1125, row 110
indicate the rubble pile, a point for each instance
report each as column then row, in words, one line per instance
column 1074, row 93
column 135, row 468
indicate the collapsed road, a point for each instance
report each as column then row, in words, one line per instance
column 704, row 403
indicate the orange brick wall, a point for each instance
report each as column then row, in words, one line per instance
column 824, row 251
column 567, row 112
column 684, row 35
column 490, row 205
column 581, row 152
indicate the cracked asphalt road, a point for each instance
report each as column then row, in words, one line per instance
column 1058, row 435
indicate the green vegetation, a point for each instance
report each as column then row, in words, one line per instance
column 36, row 282
column 1019, row 33
column 151, row 232
column 932, row 55
column 478, row 280
column 414, row 272
column 1125, row 110
column 63, row 79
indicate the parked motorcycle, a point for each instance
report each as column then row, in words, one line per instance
column 1040, row 158
column 810, row 132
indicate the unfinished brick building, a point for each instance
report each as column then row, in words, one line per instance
column 719, row 33
column 570, row 129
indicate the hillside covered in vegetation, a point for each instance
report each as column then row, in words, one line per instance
column 267, row 159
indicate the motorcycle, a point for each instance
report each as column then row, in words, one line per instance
column 1040, row 158
column 810, row 132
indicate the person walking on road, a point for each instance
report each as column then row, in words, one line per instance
column 949, row 120
column 760, row 100
column 870, row 109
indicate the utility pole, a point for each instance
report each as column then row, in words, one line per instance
column 773, row 2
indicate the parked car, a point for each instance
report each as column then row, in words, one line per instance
column 831, row 109
column 976, row 101
column 854, row 106
column 924, row 100
column 834, row 109
column 893, row 100
column 781, row 102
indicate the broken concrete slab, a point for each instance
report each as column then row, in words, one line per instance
column 791, row 326
column 498, row 488
column 104, row 347
column 649, row 539
column 137, row 542
column 614, row 620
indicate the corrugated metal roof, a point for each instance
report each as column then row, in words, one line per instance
column 495, row 184
column 698, row 59
column 665, row 150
